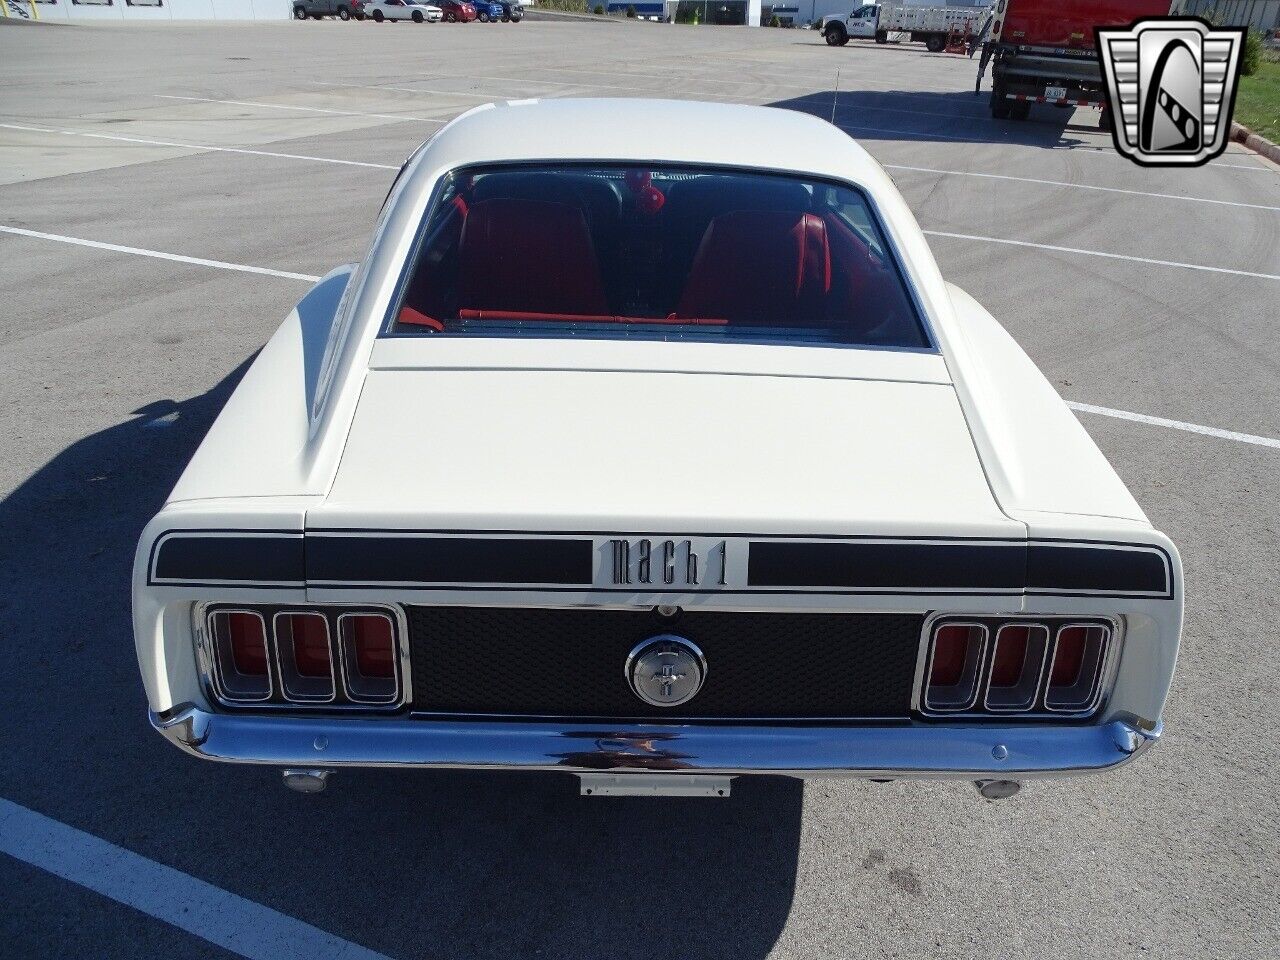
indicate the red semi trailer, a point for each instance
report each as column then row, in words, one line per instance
column 1043, row 51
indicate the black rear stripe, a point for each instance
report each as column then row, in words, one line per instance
column 1055, row 567
column 373, row 558
column 917, row 566
column 268, row 557
column 365, row 559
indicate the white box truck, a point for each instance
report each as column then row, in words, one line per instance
column 930, row 25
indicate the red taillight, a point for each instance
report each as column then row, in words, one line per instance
column 242, row 670
column 302, row 651
column 1017, row 662
column 369, row 657
column 374, row 646
column 310, row 634
column 955, row 656
column 248, row 642
column 1076, row 671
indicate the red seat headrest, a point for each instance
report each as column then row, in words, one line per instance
column 760, row 267
column 528, row 256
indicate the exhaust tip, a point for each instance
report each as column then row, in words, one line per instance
column 306, row 781
column 997, row 789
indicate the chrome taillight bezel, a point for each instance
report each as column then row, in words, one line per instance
column 1037, row 710
column 280, row 696
column 347, row 660
column 216, row 666
column 977, row 668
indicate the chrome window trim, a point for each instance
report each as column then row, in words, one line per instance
column 399, row 653
column 1108, row 642
column 276, row 645
column 206, row 647
column 978, row 671
column 1036, row 689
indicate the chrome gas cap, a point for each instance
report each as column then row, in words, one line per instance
column 666, row 670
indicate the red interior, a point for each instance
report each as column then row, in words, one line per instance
column 524, row 255
column 760, row 267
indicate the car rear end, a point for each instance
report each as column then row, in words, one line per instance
column 694, row 493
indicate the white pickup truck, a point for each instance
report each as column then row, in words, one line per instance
column 931, row 25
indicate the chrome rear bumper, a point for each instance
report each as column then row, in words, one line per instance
column 907, row 750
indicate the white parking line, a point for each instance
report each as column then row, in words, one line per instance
column 210, row 913
column 1077, row 186
column 1175, row 424
column 200, row 146
column 1100, row 253
column 157, row 254
column 282, row 106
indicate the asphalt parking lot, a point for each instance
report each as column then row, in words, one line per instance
column 126, row 317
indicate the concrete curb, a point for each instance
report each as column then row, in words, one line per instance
column 1259, row 145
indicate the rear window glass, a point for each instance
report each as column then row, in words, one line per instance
column 653, row 254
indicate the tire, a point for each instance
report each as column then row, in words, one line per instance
column 935, row 43
column 299, row 13
column 344, row 13
column 483, row 17
column 417, row 16
column 882, row 36
column 836, row 36
column 450, row 17
column 1020, row 109
column 377, row 16
column 999, row 105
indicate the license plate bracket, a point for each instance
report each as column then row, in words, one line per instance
column 652, row 785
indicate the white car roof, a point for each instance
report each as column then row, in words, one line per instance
column 671, row 131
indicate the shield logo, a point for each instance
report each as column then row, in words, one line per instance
column 1171, row 83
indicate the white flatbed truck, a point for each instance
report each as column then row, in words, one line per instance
column 882, row 21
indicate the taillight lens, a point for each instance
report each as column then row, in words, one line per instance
column 1017, row 662
column 1075, row 671
column 302, row 647
column 953, row 671
column 240, row 654
column 369, row 657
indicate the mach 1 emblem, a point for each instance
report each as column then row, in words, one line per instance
column 1171, row 83
column 667, row 563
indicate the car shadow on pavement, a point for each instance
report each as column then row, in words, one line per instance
column 949, row 116
column 410, row 863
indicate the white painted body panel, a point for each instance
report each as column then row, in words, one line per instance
column 557, row 449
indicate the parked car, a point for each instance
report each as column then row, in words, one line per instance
column 487, row 12
column 457, row 10
column 647, row 443
column 318, row 9
column 512, row 11
column 415, row 10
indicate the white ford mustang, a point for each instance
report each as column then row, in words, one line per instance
column 647, row 443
